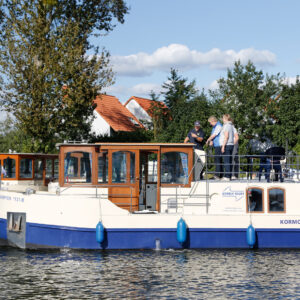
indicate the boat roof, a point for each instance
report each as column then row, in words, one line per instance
column 126, row 144
column 29, row 154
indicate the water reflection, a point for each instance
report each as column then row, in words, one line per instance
column 173, row 274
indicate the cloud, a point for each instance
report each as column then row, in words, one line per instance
column 290, row 80
column 181, row 57
column 142, row 89
column 214, row 85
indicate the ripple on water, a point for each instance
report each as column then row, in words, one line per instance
column 164, row 274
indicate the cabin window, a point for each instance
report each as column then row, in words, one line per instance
column 121, row 162
column 38, row 169
column 56, row 168
column 9, row 168
column 103, row 167
column 26, row 170
column 119, row 167
column 152, row 168
column 132, row 167
column 255, row 201
column 78, row 167
column 49, row 168
column 276, row 201
column 174, row 167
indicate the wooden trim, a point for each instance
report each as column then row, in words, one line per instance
column 263, row 202
column 15, row 158
column 94, row 167
column 284, row 200
column 128, row 148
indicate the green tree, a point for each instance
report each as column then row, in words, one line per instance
column 160, row 116
column 51, row 70
column 185, row 105
column 285, row 112
column 245, row 95
column 12, row 138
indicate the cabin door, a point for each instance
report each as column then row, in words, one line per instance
column 148, row 180
column 124, row 178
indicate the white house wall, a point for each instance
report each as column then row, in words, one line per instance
column 100, row 126
column 138, row 111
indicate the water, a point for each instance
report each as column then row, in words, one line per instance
column 153, row 274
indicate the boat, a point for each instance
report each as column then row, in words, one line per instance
column 142, row 196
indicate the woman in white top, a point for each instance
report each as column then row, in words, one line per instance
column 227, row 142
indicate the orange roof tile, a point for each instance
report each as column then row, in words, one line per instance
column 115, row 114
column 146, row 104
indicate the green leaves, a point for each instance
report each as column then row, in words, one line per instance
column 185, row 105
column 52, row 72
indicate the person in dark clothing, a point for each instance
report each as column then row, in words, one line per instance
column 196, row 136
column 275, row 154
column 264, row 165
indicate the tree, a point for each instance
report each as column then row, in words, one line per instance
column 160, row 116
column 51, row 70
column 245, row 95
column 12, row 138
column 285, row 112
column 185, row 106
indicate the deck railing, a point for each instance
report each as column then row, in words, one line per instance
column 255, row 167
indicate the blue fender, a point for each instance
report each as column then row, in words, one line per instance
column 99, row 232
column 251, row 236
column 181, row 231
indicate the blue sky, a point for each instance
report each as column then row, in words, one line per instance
column 201, row 39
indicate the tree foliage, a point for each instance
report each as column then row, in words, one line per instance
column 185, row 105
column 285, row 111
column 245, row 94
column 12, row 138
column 51, row 70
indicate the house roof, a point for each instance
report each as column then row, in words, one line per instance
column 146, row 104
column 115, row 114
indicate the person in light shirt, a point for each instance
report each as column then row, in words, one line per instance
column 214, row 140
column 227, row 143
column 235, row 154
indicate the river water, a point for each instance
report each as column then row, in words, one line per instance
column 151, row 274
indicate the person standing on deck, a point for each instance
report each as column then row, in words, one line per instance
column 214, row 140
column 227, row 142
column 235, row 154
column 196, row 136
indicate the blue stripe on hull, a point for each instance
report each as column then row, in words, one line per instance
column 39, row 235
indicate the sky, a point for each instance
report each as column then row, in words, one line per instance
column 201, row 39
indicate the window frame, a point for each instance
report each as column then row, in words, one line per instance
column 284, row 200
column 32, row 171
column 83, row 148
column 263, row 200
column 189, row 162
column 128, row 167
column 97, row 163
column 15, row 159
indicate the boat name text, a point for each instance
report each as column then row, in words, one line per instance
column 290, row 221
column 18, row 199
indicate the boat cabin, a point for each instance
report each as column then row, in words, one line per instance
column 28, row 168
column 133, row 173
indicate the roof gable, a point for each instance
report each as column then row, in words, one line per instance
column 146, row 104
column 115, row 114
